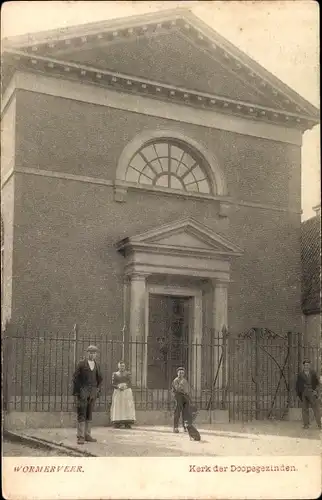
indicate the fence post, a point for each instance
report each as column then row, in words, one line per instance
column 291, row 368
column 224, row 335
column 23, row 379
column 7, row 363
column 300, row 353
column 75, row 339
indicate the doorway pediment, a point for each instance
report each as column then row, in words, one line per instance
column 185, row 236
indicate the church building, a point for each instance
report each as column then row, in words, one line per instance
column 151, row 189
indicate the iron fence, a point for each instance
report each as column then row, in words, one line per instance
column 252, row 375
column 262, row 370
column 38, row 370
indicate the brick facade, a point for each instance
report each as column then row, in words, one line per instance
column 85, row 139
column 65, row 266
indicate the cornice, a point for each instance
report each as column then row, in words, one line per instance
column 153, row 241
column 176, row 251
column 85, row 93
column 116, row 27
column 202, row 271
column 188, row 225
column 234, row 71
column 180, row 21
column 129, row 84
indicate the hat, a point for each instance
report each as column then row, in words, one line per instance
column 306, row 361
column 92, row 348
column 180, row 368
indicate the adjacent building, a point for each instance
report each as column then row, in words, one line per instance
column 311, row 276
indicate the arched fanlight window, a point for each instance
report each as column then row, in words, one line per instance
column 168, row 164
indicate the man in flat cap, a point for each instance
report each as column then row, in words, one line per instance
column 87, row 381
column 307, row 389
column 181, row 392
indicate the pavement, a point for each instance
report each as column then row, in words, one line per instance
column 21, row 449
column 270, row 439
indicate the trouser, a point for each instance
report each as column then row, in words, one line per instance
column 85, row 408
column 309, row 399
column 182, row 408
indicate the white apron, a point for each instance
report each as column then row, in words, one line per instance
column 123, row 409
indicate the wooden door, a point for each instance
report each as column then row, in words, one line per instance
column 168, row 338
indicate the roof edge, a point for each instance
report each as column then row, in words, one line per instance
column 182, row 13
column 92, row 28
column 253, row 64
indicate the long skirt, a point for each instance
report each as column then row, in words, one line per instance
column 123, row 409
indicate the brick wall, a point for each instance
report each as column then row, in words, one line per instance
column 7, row 216
column 86, row 139
column 67, row 270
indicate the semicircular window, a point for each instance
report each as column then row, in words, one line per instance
column 168, row 165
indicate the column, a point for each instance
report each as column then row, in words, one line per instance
column 126, row 320
column 220, row 322
column 220, row 305
column 138, row 348
column 196, row 346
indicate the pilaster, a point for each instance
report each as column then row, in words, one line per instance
column 138, row 354
column 220, row 322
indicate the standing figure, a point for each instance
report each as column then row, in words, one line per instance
column 307, row 387
column 87, row 381
column 181, row 392
column 123, row 409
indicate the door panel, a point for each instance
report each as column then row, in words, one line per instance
column 168, row 337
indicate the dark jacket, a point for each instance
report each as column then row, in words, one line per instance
column 82, row 378
column 301, row 381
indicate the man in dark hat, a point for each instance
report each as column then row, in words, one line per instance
column 181, row 392
column 87, row 381
column 307, row 389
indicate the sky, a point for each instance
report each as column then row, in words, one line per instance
column 283, row 36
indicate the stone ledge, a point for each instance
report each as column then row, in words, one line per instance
column 294, row 414
column 35, row 420
column 219, row 416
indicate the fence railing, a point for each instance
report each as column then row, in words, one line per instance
column 38, row 370
column 263, row 367
column 252, row 375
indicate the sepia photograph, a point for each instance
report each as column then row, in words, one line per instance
column 160, row 250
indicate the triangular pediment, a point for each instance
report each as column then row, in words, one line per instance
column 186, row 235
column 183, row 238
column 180, row 63
column 189, row 54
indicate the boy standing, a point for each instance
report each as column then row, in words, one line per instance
column 181, row 392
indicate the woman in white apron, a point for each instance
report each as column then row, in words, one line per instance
column 123, row 409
